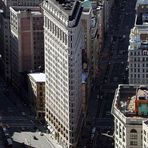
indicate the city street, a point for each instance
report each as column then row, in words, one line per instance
column 113, row 71
column 18, row 123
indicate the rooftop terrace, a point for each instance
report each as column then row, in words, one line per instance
column 132, row 100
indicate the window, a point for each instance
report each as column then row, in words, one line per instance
column 41, row 93
column 133, row 136
column 133, row 143
column 143, row 59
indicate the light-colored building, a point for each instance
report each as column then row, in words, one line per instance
column 9, row 3
column 63, row 42
column 145, row 134
column 138, row 48
column 36, row 88
column 130, row 109
column 27, row 41
column 5, row 22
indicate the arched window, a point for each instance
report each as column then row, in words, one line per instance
column 133, row 131
column 133, row 134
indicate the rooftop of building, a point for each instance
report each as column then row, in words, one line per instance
column 142, row 19
column 142, row 1
column 142, row 12
column 28, row 9
column 38, row 77
column 71, row 11
column 139, row 38
column 67, row 6
column 87, row 4
column 132, row 100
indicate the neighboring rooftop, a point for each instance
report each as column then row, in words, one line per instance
column 65, row 5
column 142, row 18
column 38, row 77
column 87, row 4
column 71, row 11
column 33, row 10
column 142, row 12
column 142, row 1
column 132, row 100
column 139, row 38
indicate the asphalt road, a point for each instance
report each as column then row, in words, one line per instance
column 116, row 69
column 19, row 122
column 113, row 70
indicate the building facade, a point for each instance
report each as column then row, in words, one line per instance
column 63, row 42
column 129, row 110
column 90, row 52
column 9, row 3
column 6, row 37
column 108, row 4
column 37, row 94
column 138, row 48
column 27, row 45
column 145, row 133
